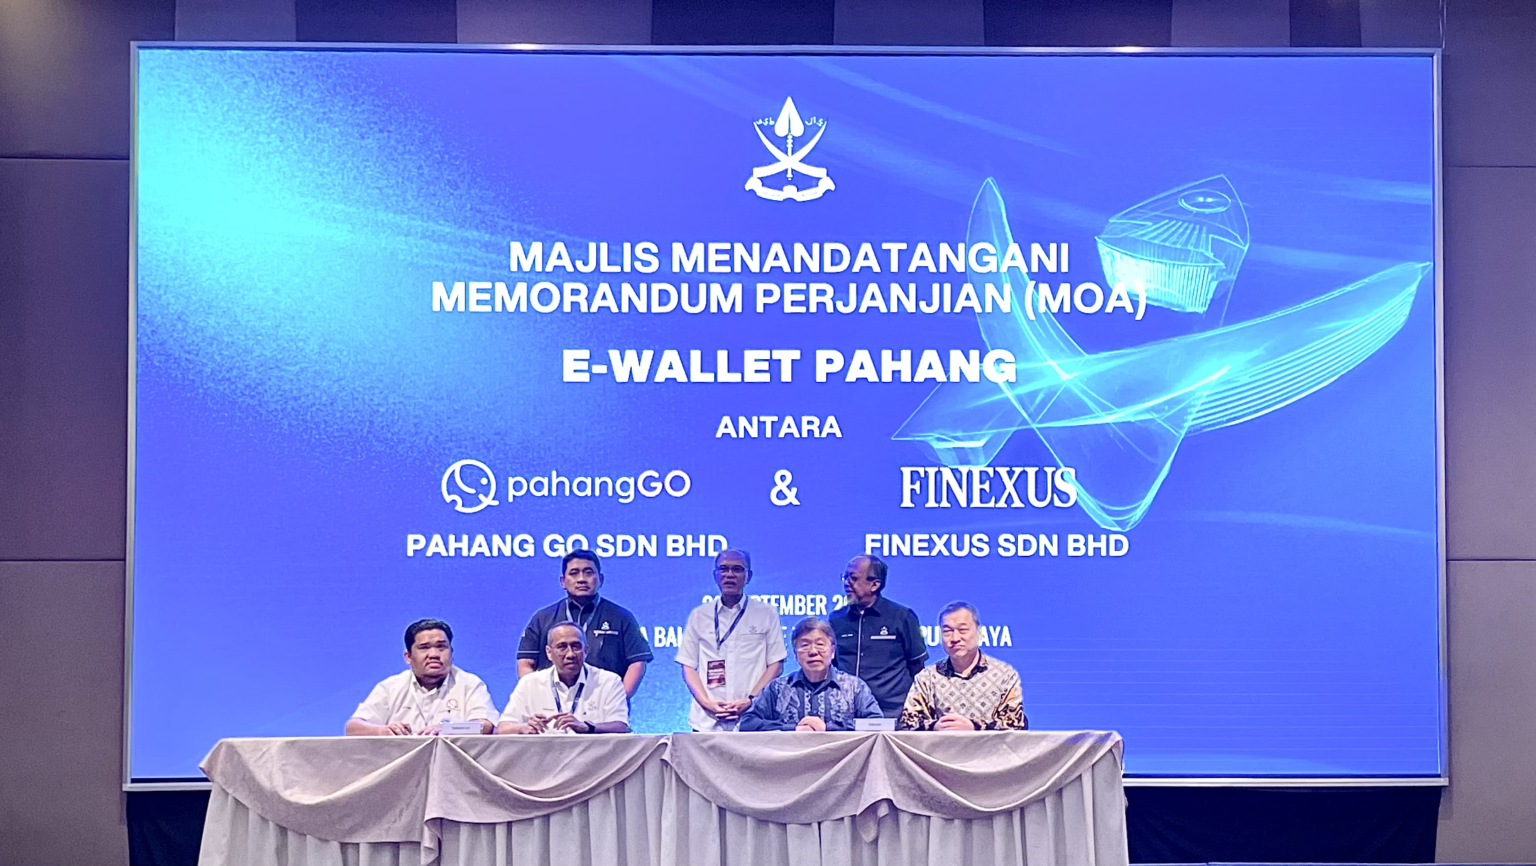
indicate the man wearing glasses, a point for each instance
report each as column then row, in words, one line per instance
column 878, row 640
column 732, row 647
column 818, row 697
column 613, row 639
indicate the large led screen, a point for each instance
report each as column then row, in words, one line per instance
column 1135, row 352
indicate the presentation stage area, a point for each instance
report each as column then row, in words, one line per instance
column 1135, row 354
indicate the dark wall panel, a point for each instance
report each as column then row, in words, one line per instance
column 1221, row 23
column 64, row 73
column 61, row 802
column 556, row 22
column 376, row 20
column 908, row 22
column 742, row 22
column 1072, row 23
column 1400, row 24
column 63, row 358
column 1489, row 813
column 1325, row 23
column 236, row 20
column 1490, row 363
column 1489, row 84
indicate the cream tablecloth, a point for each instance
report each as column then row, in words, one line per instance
column 765, row 799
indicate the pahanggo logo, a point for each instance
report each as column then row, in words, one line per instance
column 469, row 479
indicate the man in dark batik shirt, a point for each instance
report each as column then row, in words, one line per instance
column 815, row 698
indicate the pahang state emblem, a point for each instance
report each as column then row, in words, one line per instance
column 789, row 126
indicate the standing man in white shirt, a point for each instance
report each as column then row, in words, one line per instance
column 569, row 696
column 431, row 691
column 732, row 647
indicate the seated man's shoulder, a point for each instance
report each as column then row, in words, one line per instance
column 847, row 680
column 1001, row 667
column 542, row 616
column 604, row 678
column 929, row 674
column 537, row 679
column 396, row 680
column 619, row 610
column 466, row 678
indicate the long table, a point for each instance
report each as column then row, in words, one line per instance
column 795, row 798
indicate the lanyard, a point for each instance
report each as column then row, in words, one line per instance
column 581, row 624
column 437, row 702
column 720, row 641
column 575, row 700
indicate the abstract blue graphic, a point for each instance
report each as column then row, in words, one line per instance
column 1180, row 247
column 1119, row 417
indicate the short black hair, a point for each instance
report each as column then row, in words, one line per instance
column 956, row 606
column 581, row 554
column 422, row 625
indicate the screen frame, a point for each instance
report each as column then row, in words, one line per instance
column 129, row 783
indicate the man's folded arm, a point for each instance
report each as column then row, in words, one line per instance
column 482, row 709
column 916, row 647
column 865, row 706
column 761, row 715
column 917, row 714
column 371, row 718
column 1009, row 715
column 358, row 728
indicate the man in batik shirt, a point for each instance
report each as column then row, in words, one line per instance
column 967, row 691
column 818, row 697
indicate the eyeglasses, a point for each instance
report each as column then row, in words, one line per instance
column 730, row 569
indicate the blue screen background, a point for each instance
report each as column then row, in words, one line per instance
column 297, row 399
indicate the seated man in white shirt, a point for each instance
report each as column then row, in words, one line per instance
column 569, row 696
column 431, row 691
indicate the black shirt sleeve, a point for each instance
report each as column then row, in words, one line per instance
column 636, row 647
column 532, row 644
column 916, row 647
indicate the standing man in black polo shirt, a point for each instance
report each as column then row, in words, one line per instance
column 614, row 641
column 878, row 640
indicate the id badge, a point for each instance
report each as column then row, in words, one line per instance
column 714, row 673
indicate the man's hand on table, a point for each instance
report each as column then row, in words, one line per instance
column 954, row 722
column 567, row 722
column 397, row 729
column 811, row 723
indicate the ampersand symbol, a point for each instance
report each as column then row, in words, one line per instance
column 782, row 493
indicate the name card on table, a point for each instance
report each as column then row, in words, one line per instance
column 454, row 729
column 874, row 724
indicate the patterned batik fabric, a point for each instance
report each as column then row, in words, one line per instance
column 990, row 697
column 836, row 700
